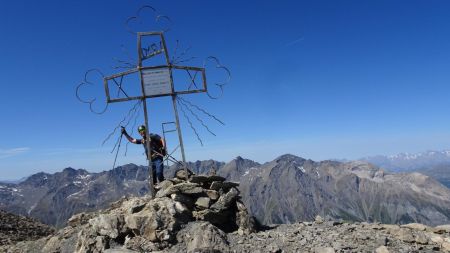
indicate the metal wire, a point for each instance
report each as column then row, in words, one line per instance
column 123, row 64
column 177, row 59
column 190, row 123
column 218, row 84
column 200, row 109
column 128, row 117
column 192, row 79
column 118, row 148
column 87, row 82
column 158, row 18
column 132, row 132
column 197, row 117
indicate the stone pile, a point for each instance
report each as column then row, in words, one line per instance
column 211, row 199
column 191, row 212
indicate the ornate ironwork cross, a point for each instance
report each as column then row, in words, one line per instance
column 156, row 81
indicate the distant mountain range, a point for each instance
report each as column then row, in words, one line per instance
column 435, row 164
column 285, row 190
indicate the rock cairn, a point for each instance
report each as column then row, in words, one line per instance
column 192, row 212
column 210, row 198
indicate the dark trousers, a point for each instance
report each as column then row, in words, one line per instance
column 158, row 169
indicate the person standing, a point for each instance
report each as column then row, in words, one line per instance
column 157, row 153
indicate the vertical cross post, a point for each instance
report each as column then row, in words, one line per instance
column 174, row 103
column 147, row 128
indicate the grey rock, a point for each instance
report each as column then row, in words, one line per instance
column 186, row 188
column 382, row 249
column 225, row 186
column 324, row 250
column 201, row 236
column 225, row 200
column 164, row 185
column 184, row 199
column 319, row 219
column 107, row 224
column 415, row 226
column 442, row 229
column 445, row 246
column 420, row 238
column 203, row 202
column 120, row 251
column 200, row 179
column 181, row 174
column 78, row 219
column 212, row 194
column 245, row 222
column 140, row 244
column 406, row 235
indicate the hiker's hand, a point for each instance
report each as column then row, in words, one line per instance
column 123, row 131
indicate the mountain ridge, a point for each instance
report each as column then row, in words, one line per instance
column 285, row 190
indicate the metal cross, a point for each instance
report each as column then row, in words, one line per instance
column 156, row 81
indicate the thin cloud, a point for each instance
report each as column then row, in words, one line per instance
column 294, row 42
column 5, row 153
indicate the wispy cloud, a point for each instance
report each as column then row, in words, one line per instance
column 294, row 41
column 5, row 153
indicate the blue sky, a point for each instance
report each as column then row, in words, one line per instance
column 318, row 79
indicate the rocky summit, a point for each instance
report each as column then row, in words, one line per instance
column 194, row 212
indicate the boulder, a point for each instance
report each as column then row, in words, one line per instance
column 212, row 194
column 183, row 199
column 181, row 174
column 140, row 244
column 318, row 219
column 199, row 179
column 405, row 235
column 225, row 200
column 107, row 225
column 245, row 222
column 324, row 250
column 164, row 185
column 415, row 226
column 203, row 202
column 78, row 219
column 161, row 214
column 225, row 186
column 203, row 237
column 382, row 249
column 445, row 246
column 186, row 188
column 442, row 229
